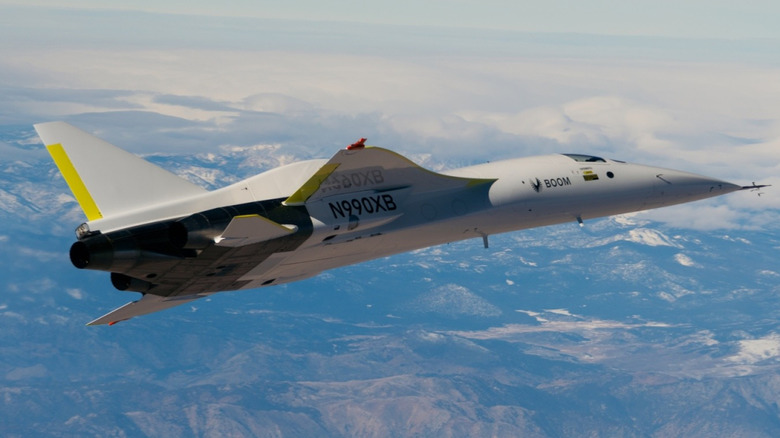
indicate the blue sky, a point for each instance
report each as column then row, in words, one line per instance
column 691, row 85
column 690, row 18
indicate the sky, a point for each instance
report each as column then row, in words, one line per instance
column 671, row 18
column 689, row 85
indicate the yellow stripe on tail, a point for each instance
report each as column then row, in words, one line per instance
column 74, row 181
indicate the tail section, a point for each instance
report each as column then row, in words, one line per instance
column 106, row 180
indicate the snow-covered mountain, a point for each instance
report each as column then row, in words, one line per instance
column 621, row 328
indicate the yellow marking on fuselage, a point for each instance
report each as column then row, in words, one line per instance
column 312, row 185
column 74, row 181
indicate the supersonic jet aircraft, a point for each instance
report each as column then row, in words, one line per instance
column 174, row 241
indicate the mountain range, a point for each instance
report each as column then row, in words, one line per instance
column 625, row 327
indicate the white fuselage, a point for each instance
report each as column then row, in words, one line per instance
column 528, row 192
column 173, row 241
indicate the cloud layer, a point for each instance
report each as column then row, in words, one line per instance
column 426, row 92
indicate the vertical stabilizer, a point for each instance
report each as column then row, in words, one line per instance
column 106, row 180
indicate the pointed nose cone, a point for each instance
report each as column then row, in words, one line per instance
column 674, row 186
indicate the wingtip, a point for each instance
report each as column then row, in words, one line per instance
column 42, row 126
column 108, row 323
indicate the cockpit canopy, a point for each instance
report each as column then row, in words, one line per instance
column 586, row 158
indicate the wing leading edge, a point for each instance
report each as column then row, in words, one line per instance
column 147, row 304
column 376, row 169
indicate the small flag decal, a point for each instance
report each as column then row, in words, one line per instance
column 588, row 175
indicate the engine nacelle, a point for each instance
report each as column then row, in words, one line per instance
column 199, row 230
column 126, row 283
column 125, row 249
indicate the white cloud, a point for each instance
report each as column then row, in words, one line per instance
column 429, row 93
column 752, row 351
column 710, row 215
column 622, row 109
column 14, row 315
column 563, row 312
column 75, row 293
column 26, row 373
column 40, row 255
column 595, row 344
column 685, row 260
column 598, row 120
column 614, row 343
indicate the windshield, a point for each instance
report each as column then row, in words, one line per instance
column 586, row 158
